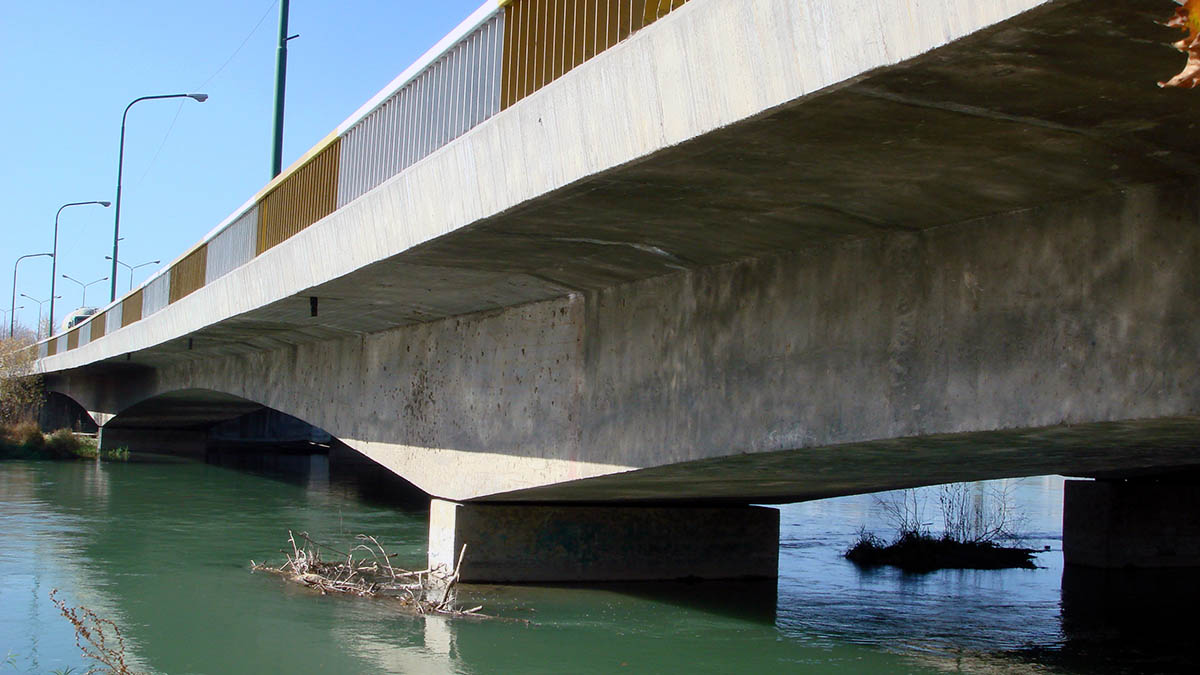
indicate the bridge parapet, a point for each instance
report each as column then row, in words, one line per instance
column 474, row 72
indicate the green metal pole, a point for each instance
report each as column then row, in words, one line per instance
column 280, row 86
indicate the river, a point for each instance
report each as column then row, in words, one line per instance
column 162, row 547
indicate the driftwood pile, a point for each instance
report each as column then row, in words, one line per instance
column 366, row 571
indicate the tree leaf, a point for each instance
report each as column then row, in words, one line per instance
column 1187, row 19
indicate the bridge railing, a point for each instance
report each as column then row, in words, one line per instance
column 546, row 39
column 505, row 51
column 454, row 94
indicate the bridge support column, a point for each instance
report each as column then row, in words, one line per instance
column 1131, row 524
column 556, row 543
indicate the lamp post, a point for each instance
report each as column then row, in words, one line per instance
column 40, row 303
column 12, row 317
column 131, row 268
column 280, row 86
column 82, row 286
column 10, row 311
column 120, row 166
column 54, row 253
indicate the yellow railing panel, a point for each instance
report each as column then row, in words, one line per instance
column 187, row 275
column 97, row 325
column 131, row 308
column 545, row 39
column 306, row 196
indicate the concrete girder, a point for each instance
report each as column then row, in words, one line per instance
column 1054, row 340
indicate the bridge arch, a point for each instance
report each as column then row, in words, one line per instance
column 211, row 423
column 60, row 411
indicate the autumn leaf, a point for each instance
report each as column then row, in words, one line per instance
column 1187, row 19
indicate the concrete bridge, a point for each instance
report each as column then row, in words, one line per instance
column 598, row 275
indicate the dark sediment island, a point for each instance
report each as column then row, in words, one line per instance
column 921, row 552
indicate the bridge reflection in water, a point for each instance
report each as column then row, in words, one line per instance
column 176, row 580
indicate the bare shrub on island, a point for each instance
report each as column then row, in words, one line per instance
column 978, row 513
column 975, row 517
column 906, row 511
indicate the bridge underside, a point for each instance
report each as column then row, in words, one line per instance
column 1131, row 449
column 979, row 263
column 1052, row 340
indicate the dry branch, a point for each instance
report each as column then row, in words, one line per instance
column 99, row 639
column 370, row 575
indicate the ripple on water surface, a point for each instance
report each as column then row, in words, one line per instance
column 162, row 548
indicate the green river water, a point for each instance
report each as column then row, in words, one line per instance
column 162, row 547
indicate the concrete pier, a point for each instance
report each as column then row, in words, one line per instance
column 553, row 543
column 1131, row 523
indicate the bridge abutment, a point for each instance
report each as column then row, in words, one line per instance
column 559, row 543
column 1131, row 524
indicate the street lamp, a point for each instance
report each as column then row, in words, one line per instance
column 120, row 166
column 54, row 253
column 41, row 303
column 12, row 316
column 10, row 311
column 83, row 286
column 131, row 268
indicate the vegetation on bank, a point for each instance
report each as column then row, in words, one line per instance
column 21, row 396
column 21, row 390
column 25, row 440
column 975, row 520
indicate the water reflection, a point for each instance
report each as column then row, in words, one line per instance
column 752, row 601
column 329, row 469
column 163, row 548
column 95, row 482
column 1115, row 616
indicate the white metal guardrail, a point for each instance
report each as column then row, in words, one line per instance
column 473, row 73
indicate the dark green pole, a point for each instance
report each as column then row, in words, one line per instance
column 280, row 85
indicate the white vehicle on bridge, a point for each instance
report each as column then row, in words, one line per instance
column 77, row 317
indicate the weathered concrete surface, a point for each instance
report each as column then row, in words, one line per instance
column 534, row 543
column 1055, row 340
column 1045, row 320
column 489, row 401
column 1134, row 524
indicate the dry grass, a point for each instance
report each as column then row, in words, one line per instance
column 99, row 639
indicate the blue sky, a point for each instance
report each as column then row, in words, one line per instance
column 68, row 69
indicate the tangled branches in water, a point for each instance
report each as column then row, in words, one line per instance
column 366, row 571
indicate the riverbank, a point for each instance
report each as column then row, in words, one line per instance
column 26, row 441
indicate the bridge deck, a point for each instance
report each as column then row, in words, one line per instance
column 733, row 132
